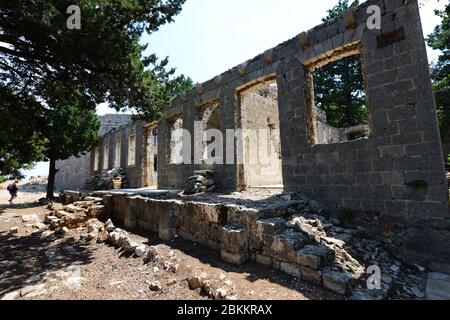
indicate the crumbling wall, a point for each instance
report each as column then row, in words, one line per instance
column 327, row 134
column 396, row 175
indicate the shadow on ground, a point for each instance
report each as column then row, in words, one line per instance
column 24, row 205
column 24, row 257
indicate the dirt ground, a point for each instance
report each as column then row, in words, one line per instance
column 37, row 264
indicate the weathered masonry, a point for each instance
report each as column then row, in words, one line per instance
column 74, row 172
column 132, row 147
column 396, row 171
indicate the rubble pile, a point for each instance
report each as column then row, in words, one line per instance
column 215, row 288
column 107, row 180
column 294, row 235
column 321, row 250
column 74, row 215
column 202, row 181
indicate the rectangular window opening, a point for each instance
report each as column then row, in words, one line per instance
column 96, row 159
column 175, row 151
column 117, row 154
column 106, row 156
column 131, row 150
column 337, row 100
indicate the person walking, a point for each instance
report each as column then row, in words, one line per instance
column 13, row 188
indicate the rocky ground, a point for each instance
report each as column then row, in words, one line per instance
column 37, row 263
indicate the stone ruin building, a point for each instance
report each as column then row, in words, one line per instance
column 392, row 179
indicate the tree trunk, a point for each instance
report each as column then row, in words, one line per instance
column 51, row 179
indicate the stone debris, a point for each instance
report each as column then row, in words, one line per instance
column 155, row 286
column 295, row 237
column 152, row 254
column 141, row 250
column 14, row 230
column 109, row 226
column 76, row 215
column 34, row 218
column 200, row 182
column 105, row 180
column 214, row 287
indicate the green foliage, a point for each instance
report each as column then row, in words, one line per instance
column 440, row 71
column 339, row 86
column 20, row 143
column 339, row 8
column 52, row 78
column 339, row 91
column 417, row 184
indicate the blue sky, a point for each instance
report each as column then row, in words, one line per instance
column 212, row 36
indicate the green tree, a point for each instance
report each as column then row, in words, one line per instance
column 48, row 71
column 339, row 86
column 20, row 144
column 69, row 130
column 440, row 71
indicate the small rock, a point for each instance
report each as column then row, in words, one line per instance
column 395, row 268
column 175, row 268
column 102, row 236
column 11, row 295
column 419, row 294
column 33, row 291
column 115, row 283
column 172, row 281
column 420, row 268
column 30, row 218
column 33, row 279
column 228, row 283
column 220, row 294
column 195, row 282
column 152, row 254
column 141, row 250
column 155, row 286
column 129, row 245
column 109, row 226
column 14, row 230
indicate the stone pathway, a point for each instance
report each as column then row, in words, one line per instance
column 438, row 286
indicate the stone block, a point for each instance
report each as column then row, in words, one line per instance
column 313, row 256
column 234, row 258
column 290, row 269
column 264, row 260
column 285, row 245
column 311, row 275
column 234, row 239
column 337, row 281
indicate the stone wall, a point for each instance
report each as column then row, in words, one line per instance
column 74, row 172
column 140, row 172
column 395, row 175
